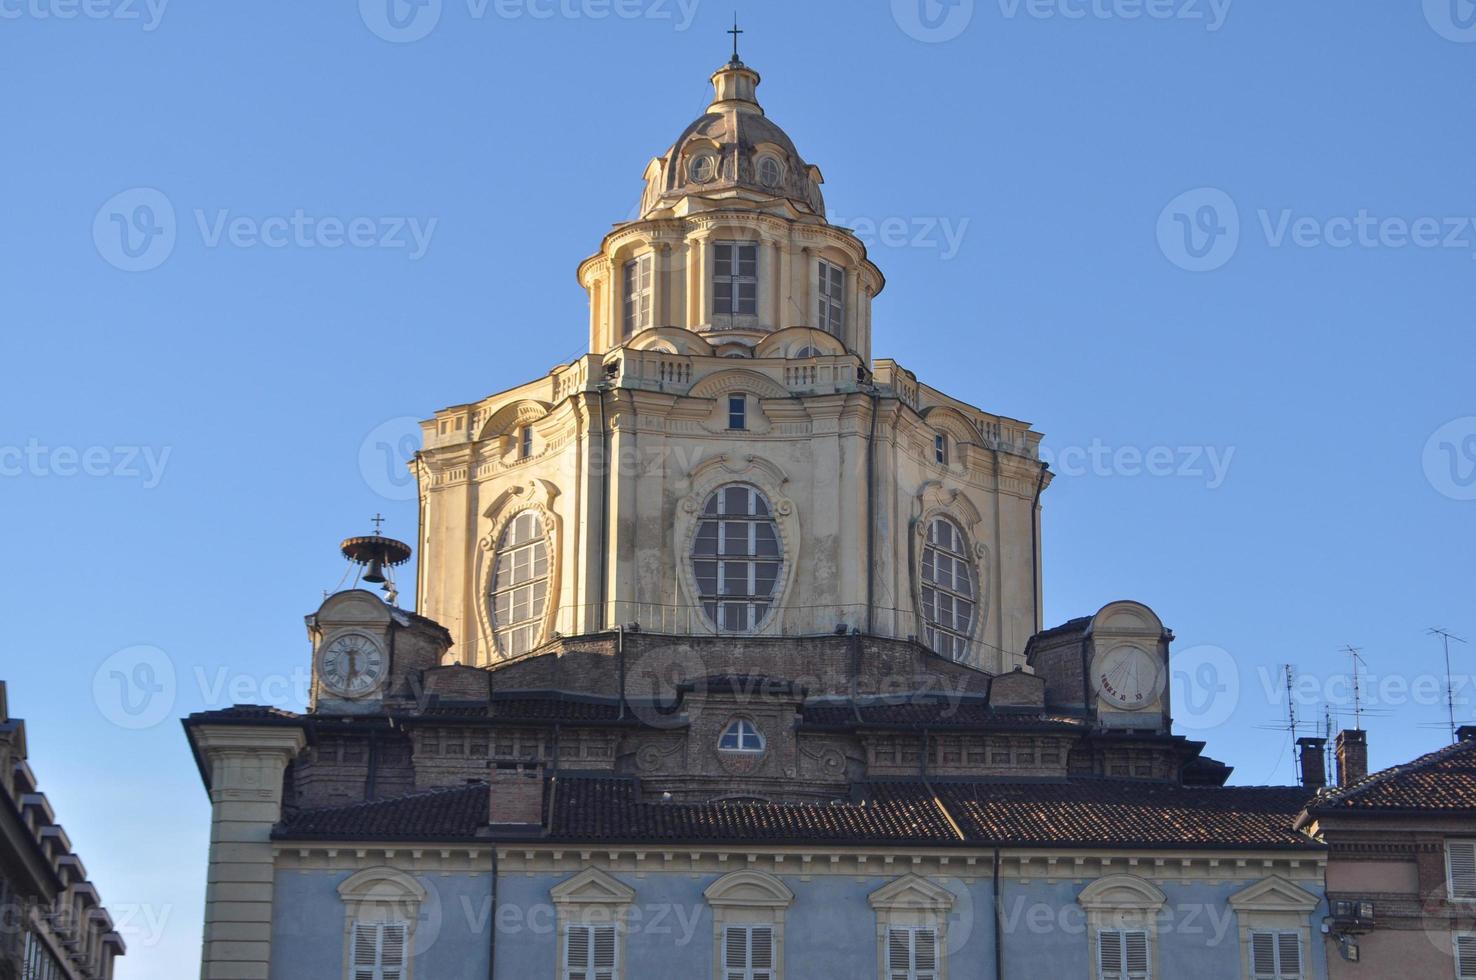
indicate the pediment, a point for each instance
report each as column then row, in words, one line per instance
column 750, row 889
column 911, row 893
column 592, row 887
column 1116, row 892
column 1273, row 894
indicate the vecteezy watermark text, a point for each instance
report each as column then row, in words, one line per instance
column 39, row 461
column 1208, row 463
column 1200, row 230
column 136, row 230
column 148, row 12
column 942, row 235
column 403, row 21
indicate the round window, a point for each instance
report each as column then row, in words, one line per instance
column 736, row 558
column 770, row 172
column 520, row 585
column 702, row 168
column 948, row 597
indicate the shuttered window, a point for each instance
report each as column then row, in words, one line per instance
column 1460, row 862
column 589, row 953
column 735, row 278
column 748, row 953
column 1123, row 955
column 1465, row 955
column 912, row 954
column 379, row 951
column 832, row 296
column 1276, row 956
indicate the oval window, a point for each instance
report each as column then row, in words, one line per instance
column 948, row 597
column 702, row 168
column 737, row 559
column 520, row 585
column 770, row 172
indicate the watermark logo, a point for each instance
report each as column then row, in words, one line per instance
column 38, row 461
column 1450, row 459
column 1199, row 231
column 933, row 21
column 1210, row 464
column 1204, row 683
column 400, row 21
column 135, row 687
column 1454, row 20
column 135, row 230
column 385, row 455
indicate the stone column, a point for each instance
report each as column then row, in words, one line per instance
column 245, row 765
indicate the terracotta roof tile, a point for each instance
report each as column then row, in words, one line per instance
column 1441, row 781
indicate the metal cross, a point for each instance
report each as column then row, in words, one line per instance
column 735, row 32
column 378, row 519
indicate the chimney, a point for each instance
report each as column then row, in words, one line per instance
column 1314, row 765
column 1352, row 749
column 515, row 796
column 1466, row 733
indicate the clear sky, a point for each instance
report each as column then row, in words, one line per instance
column 1221, row 254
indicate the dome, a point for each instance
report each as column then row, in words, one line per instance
column 733, row 151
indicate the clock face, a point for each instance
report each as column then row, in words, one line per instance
column 352, row 665
column 1128, row 677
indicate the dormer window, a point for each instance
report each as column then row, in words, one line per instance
column 832, row 292
column 637, row 295
column 770, row 172
column 702, row 168
column 735, row 279
column 741, row 736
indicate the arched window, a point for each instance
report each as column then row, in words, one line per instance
column 770, row 172
column 520, row 585
column 741, row 736
column 948, row 596
column 806, row 351
column 736, row 558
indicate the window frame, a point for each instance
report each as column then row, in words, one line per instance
column 738, row 412
column 940, row 448
column 743, row 728
column 1450, row 872
column 525, row 442
column 592, row 899
column 378, row 969
column 1278, row 972
column 1125, row 970
column 933, row 594
column 591, row 969
column 830, row 297
column 1455, row 951
column 637, row 295
column 911, row 903
column 380, row 896
column 742, row 557
column 765, row 160
column 748, row 900
column 505, row 635
column 728, row 276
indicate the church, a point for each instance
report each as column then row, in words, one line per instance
column 727, row 661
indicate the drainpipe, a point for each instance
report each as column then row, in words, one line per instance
column 620, row 662
column 1035, row 544
column 871, row 514
column 492, row 922
column 999, row 921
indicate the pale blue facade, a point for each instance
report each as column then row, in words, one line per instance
column 830, row 929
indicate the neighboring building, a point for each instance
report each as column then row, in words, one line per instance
column 1401, row 863
column 52, row 923
column 768, row 698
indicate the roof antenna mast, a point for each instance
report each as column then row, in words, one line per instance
column 1355, row 654
column 1447, row 636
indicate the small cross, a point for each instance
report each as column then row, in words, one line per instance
column 378, row 520
column 735, row 32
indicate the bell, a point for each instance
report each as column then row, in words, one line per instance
column 376, row 570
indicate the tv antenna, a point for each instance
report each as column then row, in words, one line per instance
column 1356, row 655
column 1446, row 636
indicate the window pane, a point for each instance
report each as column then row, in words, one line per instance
column 707, row 537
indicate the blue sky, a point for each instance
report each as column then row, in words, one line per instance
column 1275, row 451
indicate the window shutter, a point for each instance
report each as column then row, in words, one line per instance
column 735, row 952
column 1263, row 955
column 392, row 951
column 899, row 954
column 761, row 953
column 1137, row 955
column 1109, row 954
column 366, row 950
column 925, row 954
column 576, row 954
column 1466, row 957
column 1289, row 956
column 604, row 952
column 1461, row 858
